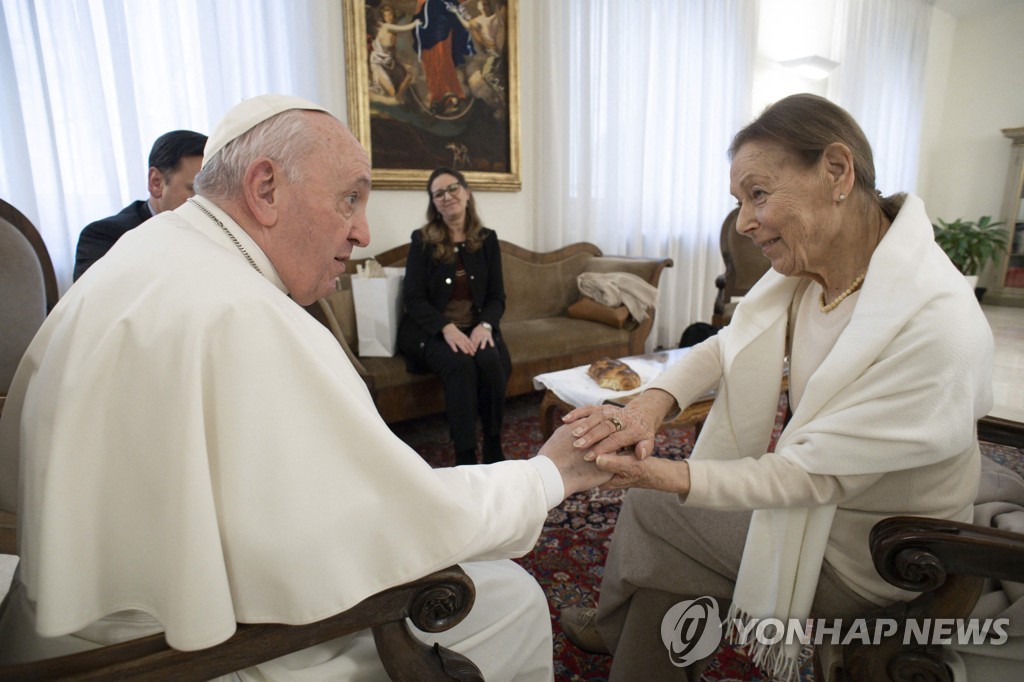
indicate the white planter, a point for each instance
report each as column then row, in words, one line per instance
column 972, row 280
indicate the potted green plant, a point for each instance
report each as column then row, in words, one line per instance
column 970, row 245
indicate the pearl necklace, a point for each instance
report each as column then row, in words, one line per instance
column 827, row 308
column 232, row 237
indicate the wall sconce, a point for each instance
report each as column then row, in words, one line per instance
column 814, row 67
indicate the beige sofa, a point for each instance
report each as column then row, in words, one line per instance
column 541, row 337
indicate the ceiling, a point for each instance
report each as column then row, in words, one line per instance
column 962, row 9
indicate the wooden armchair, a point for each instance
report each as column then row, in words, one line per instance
column 434, row 603
column 744, row 265
column 948, row 563
column 28, row 289
column 28, row 292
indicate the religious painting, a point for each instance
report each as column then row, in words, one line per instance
column 435, row 83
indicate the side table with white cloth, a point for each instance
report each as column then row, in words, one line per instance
column 571, row 388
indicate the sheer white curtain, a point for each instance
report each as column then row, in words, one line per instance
column 87, row 86
column 639, row 103
column 881, row 79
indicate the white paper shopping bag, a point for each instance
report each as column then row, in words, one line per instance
column 378, row 304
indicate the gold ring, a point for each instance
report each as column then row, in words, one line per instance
column 616, row 422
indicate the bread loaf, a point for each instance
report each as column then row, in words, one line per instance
column 614, row 374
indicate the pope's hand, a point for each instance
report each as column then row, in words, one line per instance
column 577, row 473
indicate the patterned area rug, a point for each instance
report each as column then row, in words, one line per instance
column 568, row 560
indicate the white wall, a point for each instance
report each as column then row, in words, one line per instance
column 975, row 88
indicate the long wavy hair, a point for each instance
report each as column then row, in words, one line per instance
column 805, row 124
column 436, row 233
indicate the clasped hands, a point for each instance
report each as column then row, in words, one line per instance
column 620, row 440
column 460, row 343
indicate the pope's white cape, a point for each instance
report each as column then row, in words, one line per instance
column 193, row 444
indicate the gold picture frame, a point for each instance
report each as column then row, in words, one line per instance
column 414, row 108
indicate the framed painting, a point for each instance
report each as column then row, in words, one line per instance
column 435, row 83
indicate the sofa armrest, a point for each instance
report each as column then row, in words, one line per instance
column 394, row 257
column 648, row 269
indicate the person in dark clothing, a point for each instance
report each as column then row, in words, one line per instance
column 174, row 161
column 454, row 299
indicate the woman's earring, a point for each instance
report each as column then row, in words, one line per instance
column 841, row 197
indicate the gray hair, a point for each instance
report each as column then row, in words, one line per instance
column 804, row 124
column 286, row 139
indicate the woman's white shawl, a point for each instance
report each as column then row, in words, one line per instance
column 903, row 387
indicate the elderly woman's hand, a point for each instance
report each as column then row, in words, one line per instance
column 605, row 429
column 655, row 473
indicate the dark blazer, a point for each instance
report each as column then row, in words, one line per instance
column 427, row 288
column 97, row 238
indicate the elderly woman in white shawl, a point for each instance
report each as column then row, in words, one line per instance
column 890, row 361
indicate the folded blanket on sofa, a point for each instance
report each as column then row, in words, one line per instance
column 619, row 288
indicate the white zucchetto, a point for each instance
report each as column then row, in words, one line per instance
column 249, row 113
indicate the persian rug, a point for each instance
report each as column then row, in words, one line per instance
column 568, row 560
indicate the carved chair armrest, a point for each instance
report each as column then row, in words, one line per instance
column 433, row 603
column 1001, row 431
column 947, row 562
column 917, row 553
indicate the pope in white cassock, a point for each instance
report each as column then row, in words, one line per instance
column 187, row 448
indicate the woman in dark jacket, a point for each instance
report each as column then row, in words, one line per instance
column 454, row 300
